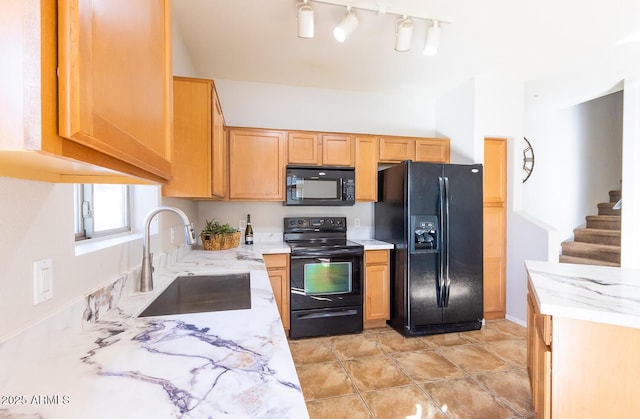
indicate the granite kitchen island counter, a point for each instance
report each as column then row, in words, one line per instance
column 231, row 364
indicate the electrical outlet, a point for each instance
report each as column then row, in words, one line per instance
column 42, row 280
column 172, row 234
column 356, row 222
column 242, row 224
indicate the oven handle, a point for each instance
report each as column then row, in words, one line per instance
column 328, row 253
column 326, row 314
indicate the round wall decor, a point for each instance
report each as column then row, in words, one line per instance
column 528, row 160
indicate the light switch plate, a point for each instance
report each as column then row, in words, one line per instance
column 42, row 280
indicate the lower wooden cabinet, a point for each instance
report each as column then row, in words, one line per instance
column 278, row 271
column 581, row 369
column 376, row 288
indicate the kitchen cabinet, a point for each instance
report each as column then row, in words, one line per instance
column 397, row 149
column 434, row 150
column 366, row 165
column 337, row 150
column 303, row 148
column 314, row 149
column 278, row 270
column 115, row 78
column 376, row 288
column 495, row 228
column 199, row 151
column 107, row 118
column 579, row 368
column 257, row 161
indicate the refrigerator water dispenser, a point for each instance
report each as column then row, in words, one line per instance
column 425, row 233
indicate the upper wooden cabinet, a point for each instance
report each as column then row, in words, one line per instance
column 366, row 156
column 397, row 149
column 304, row 148
column 115, row 79
column 257, row 161
column 199, row 152
column 313, row 149
column 338, row 150
column 434, row 150
column 113, row 98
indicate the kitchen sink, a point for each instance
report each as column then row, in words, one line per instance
column 202, row 293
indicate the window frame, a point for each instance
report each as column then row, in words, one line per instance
column 84, row 211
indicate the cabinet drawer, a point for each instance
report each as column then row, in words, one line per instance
column 376, row 256
column 276, row 261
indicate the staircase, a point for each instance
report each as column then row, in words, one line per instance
column 599, row 242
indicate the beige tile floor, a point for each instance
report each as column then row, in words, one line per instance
column 380, row 374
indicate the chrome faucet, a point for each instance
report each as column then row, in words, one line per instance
column 146, row 276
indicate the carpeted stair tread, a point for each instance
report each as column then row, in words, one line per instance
column 584, row 261
column 606, row 208
column 602, row 252
column 608, row 222
column 614, row 196
column 597, row 235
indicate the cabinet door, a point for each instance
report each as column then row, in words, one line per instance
column 338, row 150
column 218, row 151
column 395, row 149
column 495, row 228
column 303, row 148
column 434, row 150
column 278, row 270
column 192, row 127
column 376, row 287
column 257, row 161
column 366, row 168
column 542, row 374
column 115, row 78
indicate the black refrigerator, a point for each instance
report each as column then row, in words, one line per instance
column 432, row 213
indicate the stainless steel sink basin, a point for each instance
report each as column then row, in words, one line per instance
column 201, row 293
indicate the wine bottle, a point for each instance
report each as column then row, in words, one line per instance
column 248, row 232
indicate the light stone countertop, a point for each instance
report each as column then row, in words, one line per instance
column 373, row 244
column 234, row 363
column 585, row 292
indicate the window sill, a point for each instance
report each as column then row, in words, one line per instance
column 94, row 245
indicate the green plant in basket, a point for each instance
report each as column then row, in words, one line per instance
column 216, row 236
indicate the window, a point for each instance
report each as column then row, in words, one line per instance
column 101, row 210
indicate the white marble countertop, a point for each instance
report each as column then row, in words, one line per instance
column 234, row 364
column 373, row 244
column 585, row 292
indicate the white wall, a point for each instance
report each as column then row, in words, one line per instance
column 578, row 152
column 455, row 115
column 263, row 105
column 266, row 217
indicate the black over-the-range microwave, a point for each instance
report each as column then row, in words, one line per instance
column 320, row 186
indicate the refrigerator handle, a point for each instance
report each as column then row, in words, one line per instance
column 440, row 283
column 447, row 279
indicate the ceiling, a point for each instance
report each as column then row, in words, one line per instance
column 255, row 40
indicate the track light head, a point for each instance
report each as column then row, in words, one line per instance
column 404, row 34
column 432, row 42
column 346, row 26
column 305, row 20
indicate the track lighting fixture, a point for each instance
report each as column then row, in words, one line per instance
column 305, row 20
column 346, row 26
column 404, row 25
column 404, row 34
column 432, row 42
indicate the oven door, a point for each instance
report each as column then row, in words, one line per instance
column 327, row 278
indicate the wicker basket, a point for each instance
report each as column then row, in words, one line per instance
column 220, row 241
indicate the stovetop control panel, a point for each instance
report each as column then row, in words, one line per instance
column 315, row 224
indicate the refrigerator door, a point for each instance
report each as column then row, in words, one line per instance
column 463, row 270
column 424, row 265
